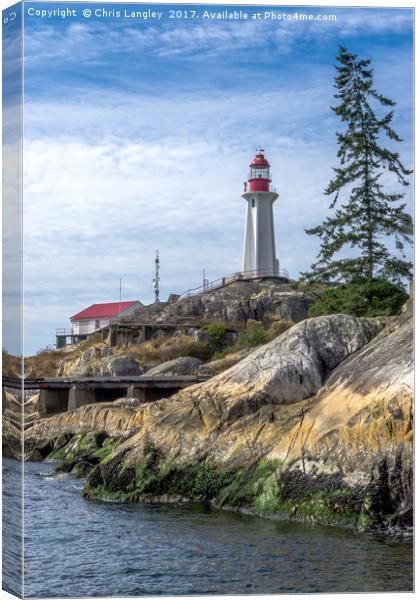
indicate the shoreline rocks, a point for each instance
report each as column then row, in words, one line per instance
column 315, row 425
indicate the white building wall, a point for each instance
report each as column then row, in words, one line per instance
column 86, row 326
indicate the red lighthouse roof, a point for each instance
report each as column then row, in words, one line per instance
column 103, row 311
column 260, row 160
column 259, row 173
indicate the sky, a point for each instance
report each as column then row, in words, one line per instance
column 139, row 133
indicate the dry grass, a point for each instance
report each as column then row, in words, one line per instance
column 168, row 348
column 278, row 326
column 11, row 365
column 44, row 364
column 47, row 362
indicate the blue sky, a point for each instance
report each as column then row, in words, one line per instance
column 138, row 135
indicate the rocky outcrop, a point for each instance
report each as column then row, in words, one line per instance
column 185, row 365
column 237, row 302
column 79, row 366
column 214, row 367
column 129, row 401
column 361, row 423
column 113, row 418
column 93, row 362
column 316, row 424
column 118, row 366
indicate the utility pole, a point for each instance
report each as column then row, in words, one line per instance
column 157, row 278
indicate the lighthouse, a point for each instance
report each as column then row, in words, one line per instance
column 259, row 258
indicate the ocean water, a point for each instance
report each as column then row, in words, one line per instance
column 75, row 547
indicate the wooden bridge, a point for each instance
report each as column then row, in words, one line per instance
column 58, row 395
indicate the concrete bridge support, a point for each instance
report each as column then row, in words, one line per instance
column 135, row 392
column 79, row 396
column 51, row 402
column 149, row 394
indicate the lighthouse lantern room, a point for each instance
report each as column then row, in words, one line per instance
column 259, row 258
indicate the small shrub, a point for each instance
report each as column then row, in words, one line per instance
column 278, row 327
column 362, row 299
column 254, row 334
column 207, row 483
column 220, row 354
column 217, row 334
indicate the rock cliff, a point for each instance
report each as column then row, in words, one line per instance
column 236, row 302
column 316, row 424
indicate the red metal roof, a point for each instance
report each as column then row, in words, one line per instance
column 260, row 161
column 102, row 311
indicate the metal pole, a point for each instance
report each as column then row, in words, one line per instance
column 157, row 278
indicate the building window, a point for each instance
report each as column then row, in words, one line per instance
column 253, row 202
column 97, row 324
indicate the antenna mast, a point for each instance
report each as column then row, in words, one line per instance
column 157, row 278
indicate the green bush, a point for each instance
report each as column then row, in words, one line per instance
column 217, row 334
column 207, row 482
column 252, row 335
column 362, row 299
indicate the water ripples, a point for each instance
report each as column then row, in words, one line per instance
column 76, row 547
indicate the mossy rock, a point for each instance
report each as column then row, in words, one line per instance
column 262, row 488
column 78, row 454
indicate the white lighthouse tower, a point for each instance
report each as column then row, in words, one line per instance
column 259, row 248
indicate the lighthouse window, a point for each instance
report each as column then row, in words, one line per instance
column 253, row 202
column 260, row 173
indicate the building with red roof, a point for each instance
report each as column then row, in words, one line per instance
column 106, row 311
column 93, row 318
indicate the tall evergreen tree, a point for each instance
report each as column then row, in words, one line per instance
column 368, row 215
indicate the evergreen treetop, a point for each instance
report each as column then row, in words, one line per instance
column 368, row 215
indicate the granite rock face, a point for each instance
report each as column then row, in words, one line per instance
column 92, row 362
column 119, row 366
column 364, row 407
column 185, row 365
column 237, row 302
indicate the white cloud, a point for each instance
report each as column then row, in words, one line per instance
column 97, row 212
column 94, row 42
column 376, row 21
column 112, row 175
